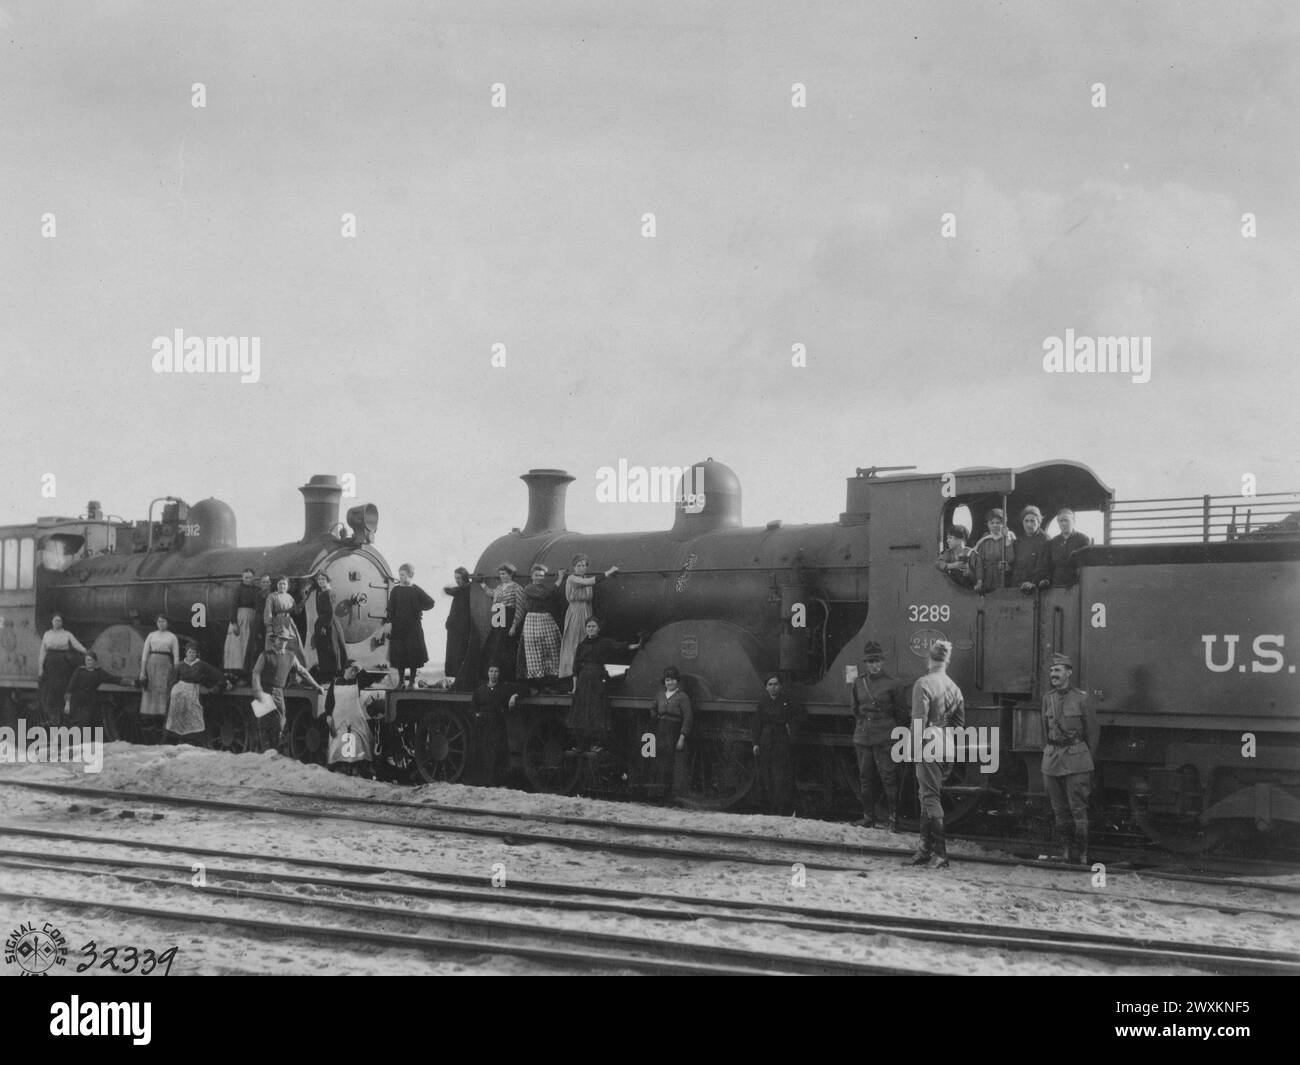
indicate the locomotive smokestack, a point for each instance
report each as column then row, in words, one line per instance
column 321, row 497
column 546, row 489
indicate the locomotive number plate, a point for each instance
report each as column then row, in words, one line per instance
column 929, row 612
column 922, row 640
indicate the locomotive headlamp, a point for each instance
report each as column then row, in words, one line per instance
column 363, row 521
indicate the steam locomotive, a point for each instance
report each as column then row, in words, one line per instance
column 109, row 578
column 1182, row 646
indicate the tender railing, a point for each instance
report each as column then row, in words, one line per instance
column 1204, row 519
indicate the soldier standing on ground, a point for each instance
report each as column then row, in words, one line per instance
column 1070, row 736
column 879, row 705
column 936, row 704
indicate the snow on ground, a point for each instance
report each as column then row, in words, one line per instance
column 1129, row 905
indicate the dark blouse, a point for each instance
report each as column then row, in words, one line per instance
column 776, row 719
column 200, row 673
column 83, row 685
column 246, row 596
column 406, row 605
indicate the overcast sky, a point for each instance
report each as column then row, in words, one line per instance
column 522, row 225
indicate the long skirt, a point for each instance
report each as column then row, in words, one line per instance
column 589, row 718
column 236, row 651
column 500, row 650
column 575, row 631
column 350, row 741
column 406, row 647
column 184, row 711
column 542, row 645
column 331, row 652
column 59, row 667
column 256, row 642
column 157, row 672
column 776, row 773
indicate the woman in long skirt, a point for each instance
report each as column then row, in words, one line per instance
column 326, row 632
column 458, row 625
column 407, row 603
column 161, row 654
column 235, row 655
column 60, row 654
column 541, row 634
column 589, row 718
column 579, row 590
column 349, row 725
column 776, row 722
column 184, row 709
column 257, row 639
column 507, row 602
column 278, row 615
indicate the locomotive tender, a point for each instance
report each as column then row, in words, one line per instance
column 1187, row 649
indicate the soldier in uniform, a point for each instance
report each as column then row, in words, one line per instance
column 1070, row 735
column 936, row 703
column 879, row 704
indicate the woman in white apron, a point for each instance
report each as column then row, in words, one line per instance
column 345, row 714
column 240, row 632
column 185, row 722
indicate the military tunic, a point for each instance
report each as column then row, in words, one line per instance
column 880, row 704
column 936, row 703
column 1071, row 733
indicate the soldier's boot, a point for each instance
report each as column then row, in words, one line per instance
column 892, row 807
column 926, row 850
column 940, row 846
column 1081, row 844
column 1066, row 833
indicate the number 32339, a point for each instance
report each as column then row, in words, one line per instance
column 131, row 959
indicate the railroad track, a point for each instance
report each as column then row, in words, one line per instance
column 803, row 847
column 530, row 895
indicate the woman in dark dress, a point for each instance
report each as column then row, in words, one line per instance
column 407, row 603
column 507, row 602
column 459, row 631
column 589, row 718
column 326, row 632
column 257, row 639
column 776, row 720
